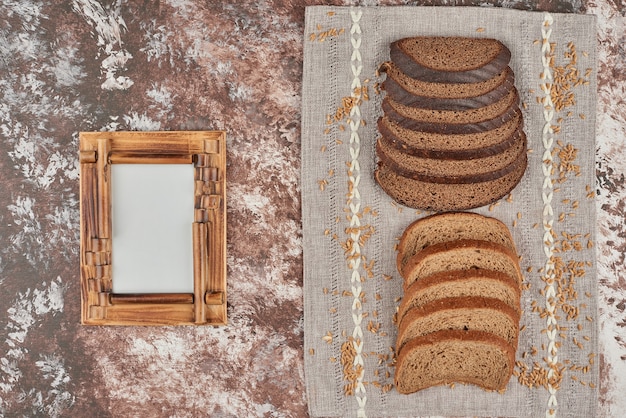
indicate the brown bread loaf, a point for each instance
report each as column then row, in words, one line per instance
column 442, row 197
column 450, row 59
column 452, row 170
column 460, row 313
column 461, row 254
column 451, row 226
column 449, row 356
column 457, row 283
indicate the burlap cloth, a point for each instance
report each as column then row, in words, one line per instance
column 349, row 308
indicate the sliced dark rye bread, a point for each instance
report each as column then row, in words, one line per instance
column 457, row 283
column 453, row 171
column 443, row 197
column 463, row 254
column 468, row 143
column 444, row 90
column 450, row 59
column 473, row 114
column 406, row 98
column 451, row 226
column 454, row 127
column 462, row 313
column 448, row 356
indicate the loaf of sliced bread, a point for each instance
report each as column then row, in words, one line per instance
column 469, row 144
column 451, row 226
column 444, row 90
column 453, row 170
column 450, row 59
column 459, row 283
column 463, row 313
column 449, row 356
column 464, row 254
column 442, row 197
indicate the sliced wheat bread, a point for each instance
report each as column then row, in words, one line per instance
column 450, row 59
column 458, row 283
column 461, row 313
column 451, row 226
column 453, row 170
column 410, row 99
column 455, row 126
column 475, row 113
column 471, row 143
column 442, row 197
column 444, row 90
column 448, row 356
column 464, row 254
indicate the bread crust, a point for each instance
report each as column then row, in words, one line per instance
column 468, row 245
column 438, row 170
column 464, row 305
column 443, row 90
column 474, row 114
column 449, row 127
column 418, row 66
column 444, row 146
column 468, row 221
column 484, row 339
column 401, row 95
column 459, row 278
column 443, row 197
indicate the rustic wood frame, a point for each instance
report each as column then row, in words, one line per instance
column 206, row 150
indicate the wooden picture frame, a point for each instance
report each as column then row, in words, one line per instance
column 206, row 150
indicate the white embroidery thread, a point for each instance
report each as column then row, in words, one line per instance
column 354, row 200
column 548, row 212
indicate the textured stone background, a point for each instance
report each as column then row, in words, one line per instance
column 82, row 65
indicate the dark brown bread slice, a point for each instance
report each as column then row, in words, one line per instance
column 451, row 226
column 457, row 283
column 452, row 171
column 454, row 127
column 450, row 59
column 461, row 313
column 400, row 95
column 470, row 144
column 472, row 114
column 443, row 197
column 463, row 254
column 473, row 357
column 444, row 90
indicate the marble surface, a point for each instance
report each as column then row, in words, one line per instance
column 82, row 65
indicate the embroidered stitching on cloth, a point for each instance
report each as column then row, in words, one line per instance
column 548, row 213
column 354, row 203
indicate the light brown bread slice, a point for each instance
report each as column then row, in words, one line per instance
column 444, row 90
column 462, row 254
column 473, row 357
column 443, row 197
column 460, row 313
column 452, row 170
column 468, row 142
column 418, row 99
column 451, row 226
column 460, row 283
column 473, row 114
column 450, row 59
